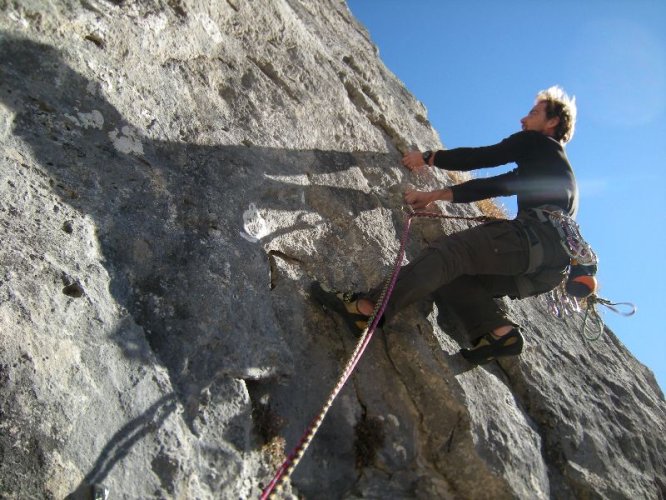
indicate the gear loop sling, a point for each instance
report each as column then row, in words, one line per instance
column 294, row 457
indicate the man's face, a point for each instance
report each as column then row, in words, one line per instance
column 537, row 120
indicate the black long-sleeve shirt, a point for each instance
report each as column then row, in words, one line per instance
column 543, row 175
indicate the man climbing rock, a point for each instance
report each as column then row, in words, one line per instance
column 516, row 258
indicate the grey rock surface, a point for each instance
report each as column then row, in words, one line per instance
column 173, row 176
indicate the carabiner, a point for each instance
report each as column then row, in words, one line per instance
column 597, row 320
column 621, row 308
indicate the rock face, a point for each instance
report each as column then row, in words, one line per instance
column 173, row 176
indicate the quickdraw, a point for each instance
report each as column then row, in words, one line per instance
column 561, row 304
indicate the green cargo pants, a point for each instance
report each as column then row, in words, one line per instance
column 469, row 269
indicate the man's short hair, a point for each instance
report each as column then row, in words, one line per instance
column 560, row 105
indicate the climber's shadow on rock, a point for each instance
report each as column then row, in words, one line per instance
column 169, row 222
column 169, row 217
column 190, row 270
column 121, row 444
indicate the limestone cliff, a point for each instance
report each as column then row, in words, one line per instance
column 173, row 175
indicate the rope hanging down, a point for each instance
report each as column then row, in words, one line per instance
column 292, row 460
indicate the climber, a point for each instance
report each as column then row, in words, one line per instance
column 516, row 258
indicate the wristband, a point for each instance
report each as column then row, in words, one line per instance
column 426, row 157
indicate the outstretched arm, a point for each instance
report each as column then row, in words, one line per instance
column 419, row 200
column 464, row 159
column 473, row 190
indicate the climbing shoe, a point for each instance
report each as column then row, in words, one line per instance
column 342, row 303
column 487, row 347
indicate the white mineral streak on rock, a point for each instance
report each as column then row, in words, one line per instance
column 94, row 119
column 393, row 420
column 298, row 179
column 400, row 451
column 209, row 27
column 254, row 224
column 91, row 88
column 126, row 141
column 259, row 223
column 6, row 118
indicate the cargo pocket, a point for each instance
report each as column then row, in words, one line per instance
column 506, row 236
column 509, row 247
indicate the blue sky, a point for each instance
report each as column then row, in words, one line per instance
column 477, row 65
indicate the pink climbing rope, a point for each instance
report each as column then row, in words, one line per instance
column 290, row 463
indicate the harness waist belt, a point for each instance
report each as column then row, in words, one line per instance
column 570, row 237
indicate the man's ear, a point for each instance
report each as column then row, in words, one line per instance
column 553, row 122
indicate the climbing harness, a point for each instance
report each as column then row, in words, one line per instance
column 292, row 460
